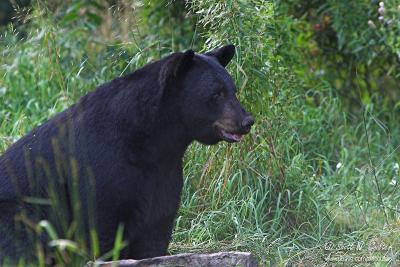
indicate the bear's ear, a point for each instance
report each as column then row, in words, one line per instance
column 174, row 66
column 223, row 54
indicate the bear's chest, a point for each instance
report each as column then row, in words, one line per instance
column 165, row 187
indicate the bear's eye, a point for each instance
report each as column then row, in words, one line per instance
column 218, row 95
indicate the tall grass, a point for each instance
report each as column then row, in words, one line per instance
column 310, row 172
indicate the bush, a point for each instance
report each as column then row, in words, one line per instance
column 352, row 45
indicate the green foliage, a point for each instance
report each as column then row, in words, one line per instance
column 351, row 45
column 9, row 10
column 169, row 26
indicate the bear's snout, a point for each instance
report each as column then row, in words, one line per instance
column 247, row 122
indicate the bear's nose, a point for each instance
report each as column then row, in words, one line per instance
column 247, row 122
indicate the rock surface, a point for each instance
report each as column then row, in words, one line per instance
column 221, row 259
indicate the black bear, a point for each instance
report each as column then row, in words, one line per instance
column 115, row 157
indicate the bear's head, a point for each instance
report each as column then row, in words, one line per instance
column 205, row 95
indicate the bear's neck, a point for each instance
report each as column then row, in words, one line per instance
column 168, row 143
column 169, row 137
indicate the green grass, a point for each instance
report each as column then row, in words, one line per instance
column 310, row 172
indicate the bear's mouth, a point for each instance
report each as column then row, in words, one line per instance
column 229, row 136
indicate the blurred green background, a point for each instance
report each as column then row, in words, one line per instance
column 321, row 77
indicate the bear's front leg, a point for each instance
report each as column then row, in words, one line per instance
column 152, row 241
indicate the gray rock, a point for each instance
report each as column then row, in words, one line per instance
column 221, row 259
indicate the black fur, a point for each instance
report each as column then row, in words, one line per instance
column 119, row 149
